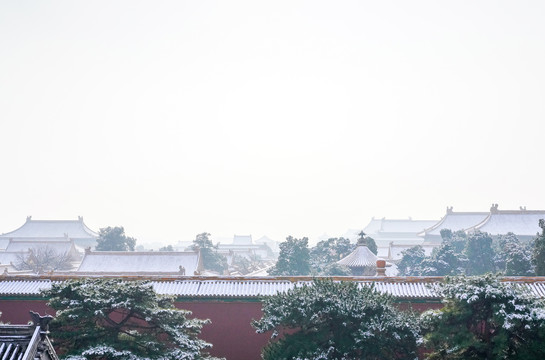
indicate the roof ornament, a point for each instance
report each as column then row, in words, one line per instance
column 41, row 321
column 28, row 218
column 80, row 218
column 361, row 239
column 449, row 210
column 522, row 208
column 494, row 209
column 182, row 270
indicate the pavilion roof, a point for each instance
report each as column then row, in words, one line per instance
column 359, row 258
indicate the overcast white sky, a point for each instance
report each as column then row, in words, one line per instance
column 272, row 118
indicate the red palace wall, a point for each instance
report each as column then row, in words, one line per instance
column 230, row 330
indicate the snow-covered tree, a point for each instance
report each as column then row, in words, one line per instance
column 111, row 319
column 294, row 258
column 336, row 320
column 484, row 318
column 479, row 253
column 212, row 260
column 114, row 239
column 44, row 259
column 513, row 258
column 411, row 262
column 326, row 253
column 538, row 256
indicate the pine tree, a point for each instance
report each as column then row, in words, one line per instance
column 294, row 258
column 479, row 253
column 211, row 259
column 111, row 319
column 538, row 257
column 336, row 320
column 484, row 318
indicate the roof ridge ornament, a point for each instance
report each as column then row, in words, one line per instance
column 449, row 210
column 494, row 209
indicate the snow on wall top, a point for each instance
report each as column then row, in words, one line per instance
column 128, row 262
column 402, row 288
column 36, row 229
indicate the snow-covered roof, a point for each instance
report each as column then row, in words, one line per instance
column 454, row 221
column 400, row 287
column 242, row 240
column 404, row 225
column 38, row 229
column 136, row 262
column 519, row 222
column 60, row 247
column 360, row 257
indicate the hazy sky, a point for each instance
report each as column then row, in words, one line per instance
column 272, row 118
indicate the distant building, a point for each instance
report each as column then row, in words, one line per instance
column 454, row 221
column 400, row 231
column 51, row 231
column 523, row 223
column 141, row 263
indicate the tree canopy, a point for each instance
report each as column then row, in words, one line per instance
column 294, row 258
column 44, row 259
column 211, row 259
column 326, row 253
column 336, row 320
column 538, row 255
column 114, row 239
column 111, row 319
column 484, row 318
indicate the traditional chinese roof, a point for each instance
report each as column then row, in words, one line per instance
column 454, row 221
column 359, row 258
column 397, row 230
column 25, row 342
column 139, row 262
column 242, row 240
column 51, row 229
column 520, row 222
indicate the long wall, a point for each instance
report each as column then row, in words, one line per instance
column 230, row 330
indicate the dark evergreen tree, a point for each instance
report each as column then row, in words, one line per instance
column 328, row 252
column 336, row 320
column 513, row 258
column 479, row 254
column 211, row 259
column 538, row 256
column 112, row 319
column 114, row 239
column 444, row 261
column 294, row 258
column 484, row 318
column 412, row 261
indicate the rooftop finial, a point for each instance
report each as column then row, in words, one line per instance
column 28, row 218
column 449, row 210
column 494, row 209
